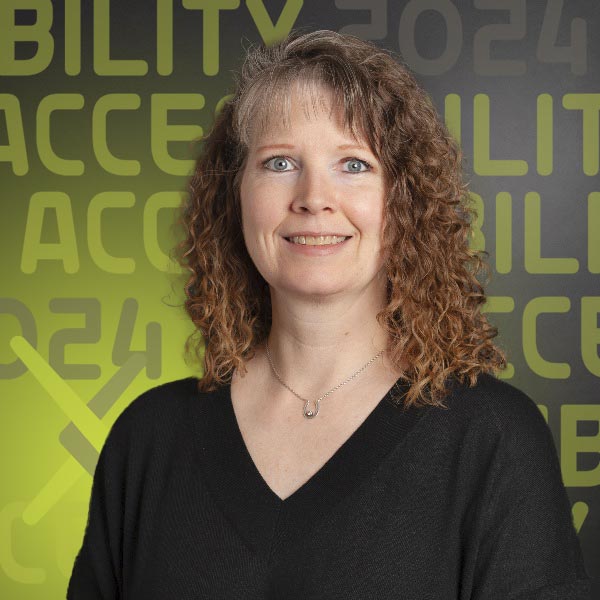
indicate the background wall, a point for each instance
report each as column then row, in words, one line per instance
column 98, row 103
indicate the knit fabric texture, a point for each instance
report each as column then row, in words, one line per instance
column 465, row 502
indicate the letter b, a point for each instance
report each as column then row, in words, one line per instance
column 11, row 34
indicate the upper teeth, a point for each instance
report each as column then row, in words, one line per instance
column 318, row 240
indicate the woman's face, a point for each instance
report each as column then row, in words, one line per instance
column 313, row 179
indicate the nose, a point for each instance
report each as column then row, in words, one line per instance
column 315, row 190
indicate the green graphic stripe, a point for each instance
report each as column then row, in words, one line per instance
column 66, row 399
column 53, row 491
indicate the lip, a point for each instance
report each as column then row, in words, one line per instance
column 314, row 234
column 321, row 250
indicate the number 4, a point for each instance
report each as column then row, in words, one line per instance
column 123, row 339
column 575, row 53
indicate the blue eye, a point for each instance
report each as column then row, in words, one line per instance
column 279, row 163
column 356, row 164
column 283, row 164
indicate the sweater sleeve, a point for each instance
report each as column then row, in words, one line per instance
column 97, row 571
column 529, row 549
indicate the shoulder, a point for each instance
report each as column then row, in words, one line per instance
column 498, row 415
column 495, row 402
column 160, row 401
column 158, row 413
column 518, row 510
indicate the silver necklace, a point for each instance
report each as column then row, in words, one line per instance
column 308, row 413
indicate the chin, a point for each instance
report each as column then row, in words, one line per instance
column 308, row 289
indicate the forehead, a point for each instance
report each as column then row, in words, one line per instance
column 273, row 114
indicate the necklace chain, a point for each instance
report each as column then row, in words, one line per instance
column 308, row 413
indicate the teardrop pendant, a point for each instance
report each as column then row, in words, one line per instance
column 311, row 414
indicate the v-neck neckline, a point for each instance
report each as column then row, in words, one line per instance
column 347, row 449
column 249, row 503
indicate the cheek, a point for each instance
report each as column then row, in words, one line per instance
column 263, row 207
column 260, row 218
column 367, row 213
column 251, row 208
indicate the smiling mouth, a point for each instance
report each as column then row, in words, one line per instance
column 321, row 240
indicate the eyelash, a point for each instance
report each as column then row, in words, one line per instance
column 348, row 159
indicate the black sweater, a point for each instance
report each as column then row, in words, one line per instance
column 422, row 504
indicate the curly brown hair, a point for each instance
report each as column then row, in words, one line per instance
column 434, row 298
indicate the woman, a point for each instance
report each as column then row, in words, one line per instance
column 348, row 438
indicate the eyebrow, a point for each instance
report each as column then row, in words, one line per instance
column 291, row 147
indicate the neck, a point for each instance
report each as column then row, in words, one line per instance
column 315, row 345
